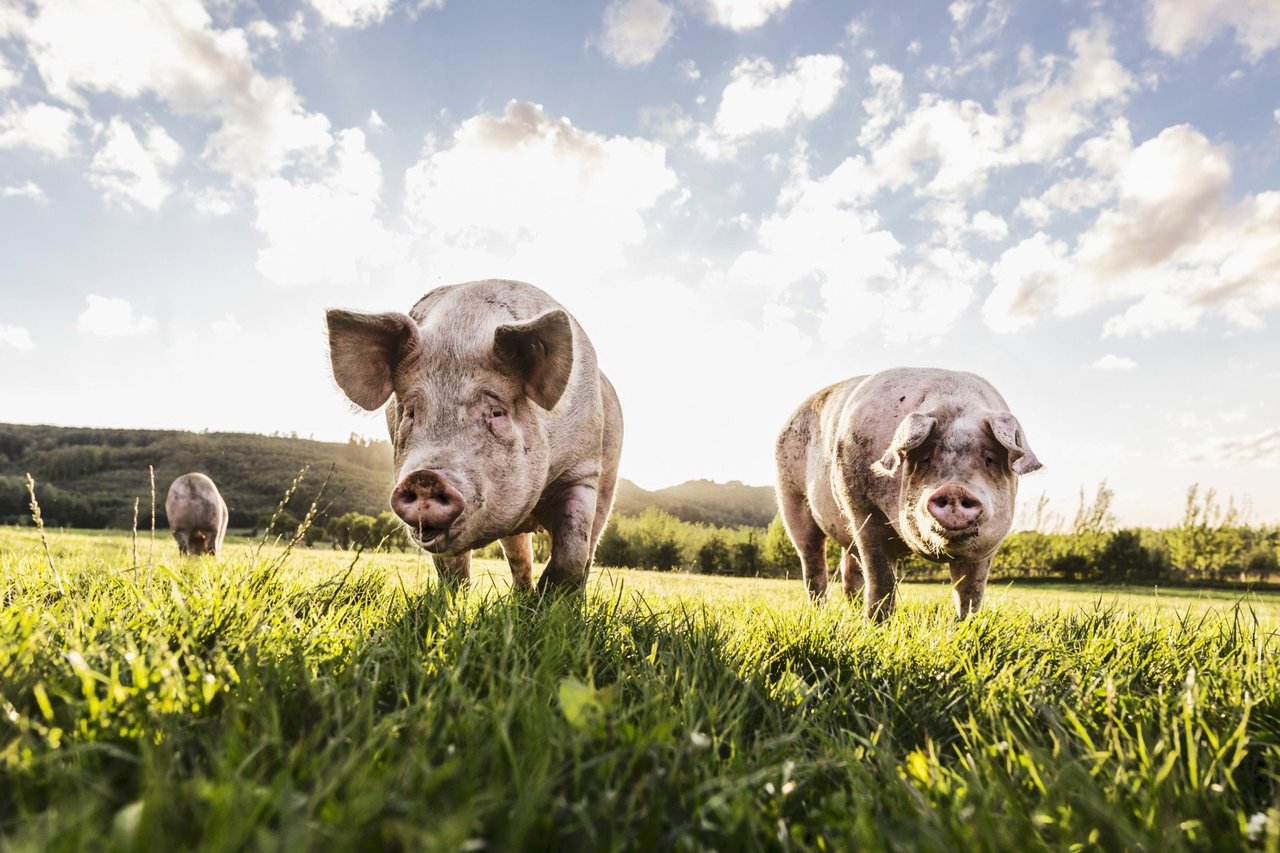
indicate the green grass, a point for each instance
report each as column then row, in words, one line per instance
column 300, row 701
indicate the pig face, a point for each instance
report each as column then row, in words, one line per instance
column 958, row 480
column 200, row 543
column 193, row 542
column 466, row 417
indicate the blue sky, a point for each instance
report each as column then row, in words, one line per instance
column 742, row 200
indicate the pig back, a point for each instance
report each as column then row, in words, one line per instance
column 193, row 501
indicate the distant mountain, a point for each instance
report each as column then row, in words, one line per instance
column 703, row 501
column 90, row 477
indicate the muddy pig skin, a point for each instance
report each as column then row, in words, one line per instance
column 500, row 420
column 197, row 515
column 909, row 460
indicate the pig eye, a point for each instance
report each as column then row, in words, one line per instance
column 991, row 462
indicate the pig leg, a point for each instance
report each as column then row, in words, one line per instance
column 810, row 542
column 569, row 517
column 968, row 583
column 454, row 570
column 181, row 537
column 851, row 573
column 611, row 455
column 518, row 550
column 879, row 568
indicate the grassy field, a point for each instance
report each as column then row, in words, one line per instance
column 305, row 701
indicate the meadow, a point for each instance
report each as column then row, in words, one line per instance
column 298, row 699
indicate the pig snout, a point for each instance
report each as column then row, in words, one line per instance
column 955, row 507
column 425, row 500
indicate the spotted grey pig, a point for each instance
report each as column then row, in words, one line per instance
column 197, row 515
column 500, row 420
column 922, row 461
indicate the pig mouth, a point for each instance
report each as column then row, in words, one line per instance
column 956, row 537
column 433, row 539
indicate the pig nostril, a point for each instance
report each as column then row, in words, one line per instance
column 969, row 503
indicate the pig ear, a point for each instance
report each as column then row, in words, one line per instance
column 366, row 350
column 911, row 433
column 1008, row 431
column 539, row 351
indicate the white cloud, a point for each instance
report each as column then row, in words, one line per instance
column 132, row 171
column 1173, row 250
column 264, row 31
column 226, row 328
column 822, row 236
column 1028, row 279
column 977, row 22
column 740, row 15
column 41, row 127
column 1183, row 26
column 16, row 337
column 326, row 228
column 761, row 99
column 989, row 226
column 352, row 13
column 296, row 28
column 1111, row 361
column 374, row 123
column 111, row 317
column 212, row 201
column 948, row 148
column 1101, row 157
column 26, row 189
column 170, row 49
column 955, row 224
column 537, row 191
column 1156, row 217
column 884, row 106
column 1061, row 111
column 635, row 30
column 1259, row 449
column 962, row 139
column 8, row 76
column 689, row 70
column 960, row 11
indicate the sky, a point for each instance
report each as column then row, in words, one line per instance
column 741, row 201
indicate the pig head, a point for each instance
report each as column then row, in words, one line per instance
column 500, row 422
column 957, row 472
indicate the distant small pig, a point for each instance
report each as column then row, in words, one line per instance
column 922, row 461
column 197, row 515
column 500, row 420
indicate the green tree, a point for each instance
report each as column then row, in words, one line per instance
column 390, row 532
column 285, row 524
column 1209, row 539
column 713, row 557
column 1124, row 558
column 746, row 557
column 779, row 551
column 613, row 549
